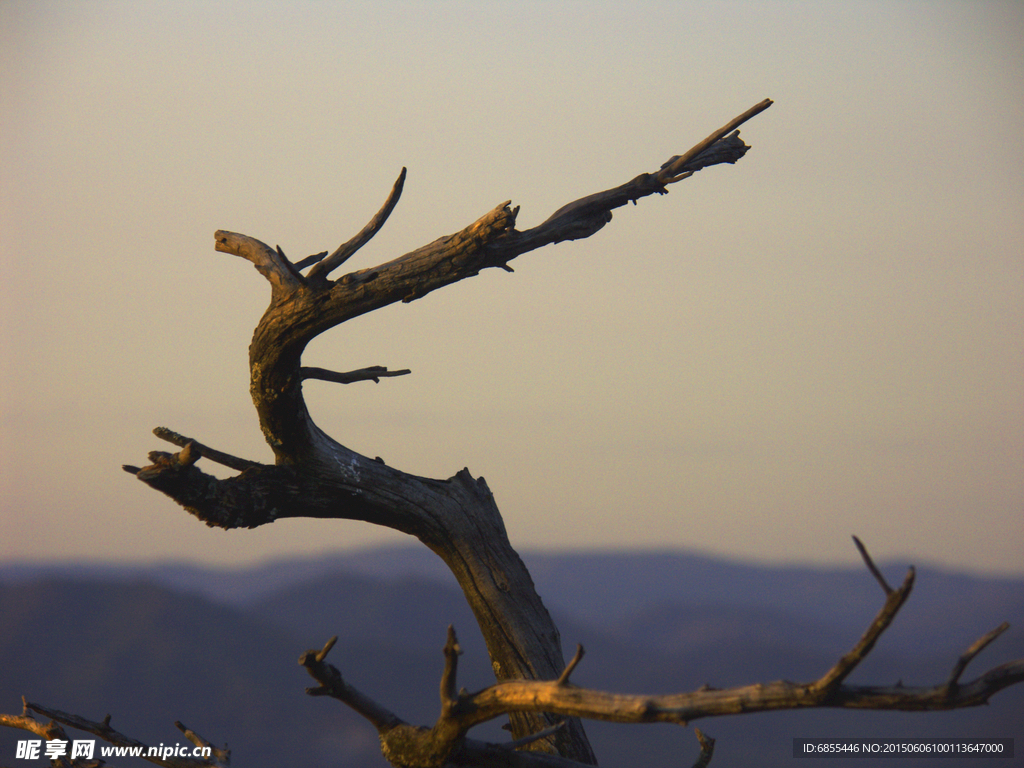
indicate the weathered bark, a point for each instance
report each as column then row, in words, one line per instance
column 315, row 476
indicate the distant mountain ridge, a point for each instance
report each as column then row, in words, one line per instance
column 217, row 649
column 604, row 587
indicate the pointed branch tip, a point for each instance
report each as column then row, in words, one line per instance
column 563, row 679
column 527, row 740
column 707, row 749
column 346, row 250
column 976, row 647
column 871, row 566
column 322, row 653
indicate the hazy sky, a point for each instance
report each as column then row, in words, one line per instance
column 823, row 340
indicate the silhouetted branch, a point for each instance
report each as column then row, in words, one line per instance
column 871, row 566
column 310, row 260
column 893, row 602
column 563, row 679
column 700, row 155
column 374, row 373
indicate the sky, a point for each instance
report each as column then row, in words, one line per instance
column 825, row 339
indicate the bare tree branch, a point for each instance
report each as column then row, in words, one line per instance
column 25, row 721
column 310, row 260
column 457, row 518
column 871, row 566
column 690, row 161
column 268, row 262
column 967, row 656
column 413, row 746
column 347, row 250
column 563, row 679
column 374, row 373
column 534, row 737
column 893, row 602
column 707, row 749
column 205, row 451
column 420, row 747
column 333, row 684
column 219, row 758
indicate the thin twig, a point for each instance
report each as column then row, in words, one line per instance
column 310, row 260
column 374, row 373
column 976, row 647
column 222, row 755
column 563, row 679
column 527, row 740
column 707, row 749
column 871, row 566
column 332, row 684
column 842, row 669
column 672, row 168
column 207, row 453
column 322, row 653
column 108, row 734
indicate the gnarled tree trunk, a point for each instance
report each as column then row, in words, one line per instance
column 315, row 476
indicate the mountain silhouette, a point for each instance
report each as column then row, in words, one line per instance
column 218, row 649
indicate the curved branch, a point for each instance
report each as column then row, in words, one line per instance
column 314, row 306
column 967, row 656
column 827, row 691
column 707, row 749
column 346, row 250
column 893, row 602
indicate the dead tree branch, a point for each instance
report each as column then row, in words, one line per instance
column 346, row 250
column 219, row 758
column 462, row 711
column 374, row 373
column 457, row 518
column 315, row 476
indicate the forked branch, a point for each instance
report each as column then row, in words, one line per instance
column 462, row 711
